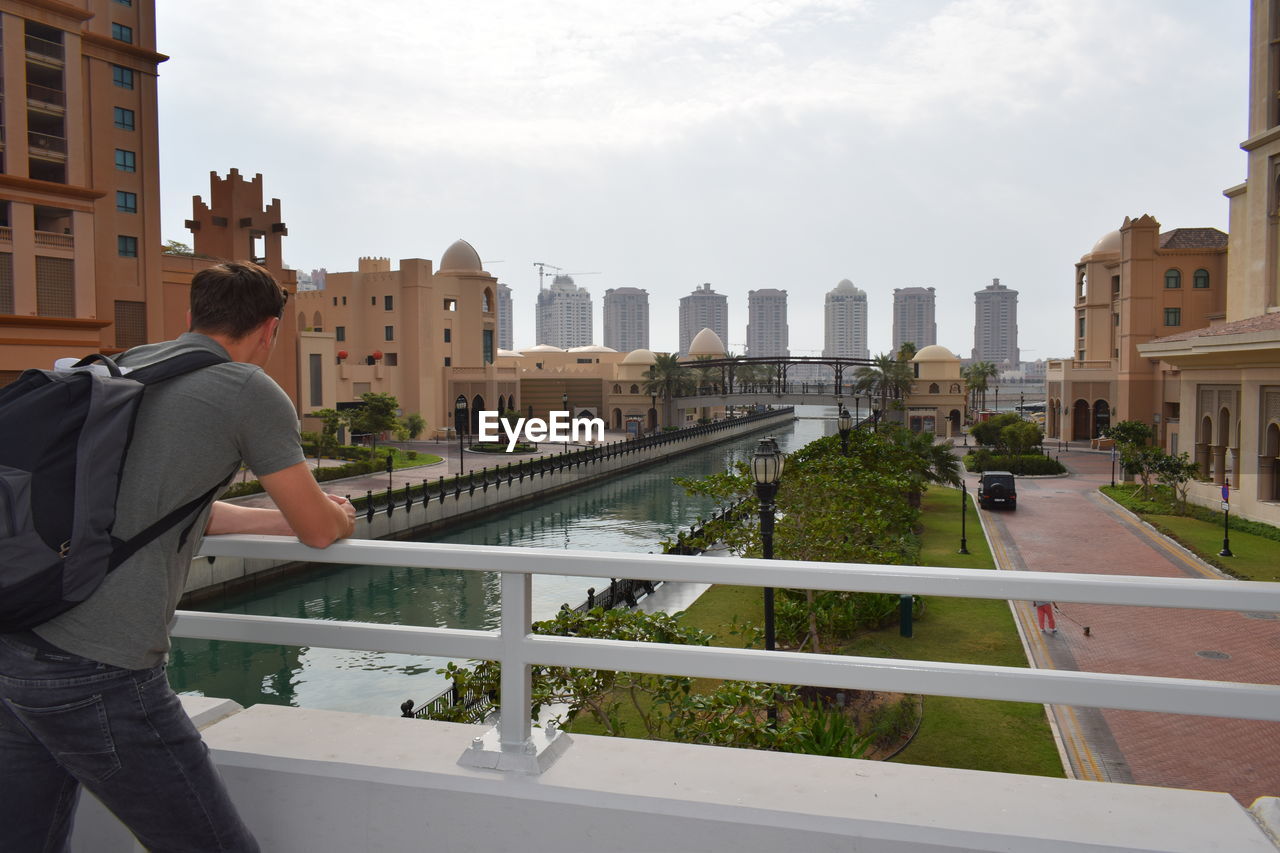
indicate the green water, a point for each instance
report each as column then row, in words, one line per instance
column 630, row 513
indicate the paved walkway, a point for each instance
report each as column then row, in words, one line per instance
column 1066, row 525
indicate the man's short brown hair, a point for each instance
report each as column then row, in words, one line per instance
column 234, row 298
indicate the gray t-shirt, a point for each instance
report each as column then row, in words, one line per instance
column 191, row 434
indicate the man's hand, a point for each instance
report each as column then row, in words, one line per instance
column 316, row 518
column 348, row 510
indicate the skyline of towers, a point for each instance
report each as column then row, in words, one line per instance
column 505, row 334
column 564, row 314
column 767, row 333
column 913, row 317
column 995, row 324
column 626, row 318
column 703, row 309
column 845, row 326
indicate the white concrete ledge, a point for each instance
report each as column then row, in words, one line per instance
column 310, row 780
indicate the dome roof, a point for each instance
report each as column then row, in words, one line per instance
column 460, row 257
column 935, row 352
column 1109, row 242
column 706, row 342
column 592, row 348
column 508, row 353
column 640, row 356
column 541, row 348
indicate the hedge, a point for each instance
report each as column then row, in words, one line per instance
column 1026, row 465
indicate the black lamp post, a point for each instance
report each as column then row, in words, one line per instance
column 1113, row 466
column 653, row 407
column 844, row 423
column 459, row 423
column 1226, row 520
column 766, row 468
column 964, row 509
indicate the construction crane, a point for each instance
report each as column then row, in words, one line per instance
column 559, row 271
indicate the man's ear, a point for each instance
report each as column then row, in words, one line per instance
column 189, row 320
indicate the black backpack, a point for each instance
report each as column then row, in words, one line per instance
column 64, row 436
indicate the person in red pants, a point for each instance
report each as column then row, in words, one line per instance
column 1044, row 612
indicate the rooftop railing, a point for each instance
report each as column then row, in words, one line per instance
column 515, row 745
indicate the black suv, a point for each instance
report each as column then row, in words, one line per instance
column 996, row 488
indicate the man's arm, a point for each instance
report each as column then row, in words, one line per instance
column 303, row 511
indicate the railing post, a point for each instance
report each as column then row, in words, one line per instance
column 368, row 506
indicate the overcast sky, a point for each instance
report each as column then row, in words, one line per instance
column 783, row 143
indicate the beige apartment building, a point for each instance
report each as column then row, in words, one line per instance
column 1228, row 385
column 1134, row 285
column 80, row 267
column 427, row 336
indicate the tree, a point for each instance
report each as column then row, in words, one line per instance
column 1177, row 472
column 1020, row 437
column 177, row 247
column 990, row 432
column 1129, row 432
column 1142, row 461
column 976, row 378
column 412, row 425
column 886, row 378
column 327, row 438
column 907, row 351
column 667, row 378
column 378, row 415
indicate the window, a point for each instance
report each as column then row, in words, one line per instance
column 316, row 375
column 488, row 346
column 447, row 361
column 126, row 161
column 131, row 324
column 120, row 32
column 122, row 77
column 391, row 359
column 123, row 118
column 344, row 300
column 933, row 388
column 1173, row 316
column 387, row 303
column 635, row 389
column 125, row 2
column 617, row 389
column 335, row 300
column 126, row 202
column 1115, row 286
column 55, row 287
column 1200, row 281
column 6, row 283
column 450, row 304
column 448, row 336
column 1080, row 328
column 339, row 333
column 1172, row 280
column 373, row 300
column 127, row 247
column 388, row 333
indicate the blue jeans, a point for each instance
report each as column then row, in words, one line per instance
column 66, row 721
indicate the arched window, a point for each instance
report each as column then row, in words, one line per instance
column 933, row 388
column 617, row 389
column 302, row 321
column 1200, row 281
column 955, row 387
column 317, row 322
column 635, row 389
column 487, row 302
column 1172, row 280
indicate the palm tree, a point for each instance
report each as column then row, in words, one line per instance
column 886, row 378
column 975, row 377
column 666, row 378
column 930, row 461
column 907, row 351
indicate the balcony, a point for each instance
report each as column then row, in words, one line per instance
column 46, row 98
column 310, row 780
column 49, row 240
column 45, row 51
column 45, row 146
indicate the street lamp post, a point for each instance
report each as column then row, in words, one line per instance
column 766, row 469
column 1113, row 466
column 844, row 423
column 459, row 423
column 1226, row 520
column 964, row 509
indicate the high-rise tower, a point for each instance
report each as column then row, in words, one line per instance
column 564, row 314
column 505, row 337
column 626, row 318
column 703, row 309
column 846, row 322
column 767, row 322
column 913, row 317
column 995, row 324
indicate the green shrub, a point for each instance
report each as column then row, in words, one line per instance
column 1026, row 465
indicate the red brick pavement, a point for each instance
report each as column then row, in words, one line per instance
column 1065, row 525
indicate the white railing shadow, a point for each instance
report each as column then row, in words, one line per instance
column 515, row 745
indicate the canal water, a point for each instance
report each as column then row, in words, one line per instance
column 630, row 513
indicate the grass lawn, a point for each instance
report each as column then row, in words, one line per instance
column 1254, row 553
column 977, row 734
column 1010, row 737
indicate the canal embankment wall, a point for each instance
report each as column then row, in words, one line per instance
column 416, row 511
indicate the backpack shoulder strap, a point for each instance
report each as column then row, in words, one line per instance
column 177, row 365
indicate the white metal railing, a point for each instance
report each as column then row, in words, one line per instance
column 514, row 745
